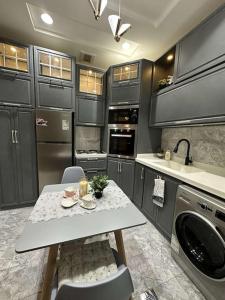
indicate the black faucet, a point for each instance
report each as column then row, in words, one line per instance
column 188, row 159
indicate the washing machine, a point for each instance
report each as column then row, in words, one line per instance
column 198, row 240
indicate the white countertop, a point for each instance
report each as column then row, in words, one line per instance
column 201, row 179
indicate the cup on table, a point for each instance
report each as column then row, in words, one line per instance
column 69, row 192
column 87, row 200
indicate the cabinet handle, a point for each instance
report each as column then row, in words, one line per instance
column 123, row 102
column 142, row 173
column 120, row 167
column 94, row 171
column 12, row 135
column 56, row 86
column 12, row 104
column 16, row 136
column 92, row 158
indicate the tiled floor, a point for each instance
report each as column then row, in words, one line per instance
column 148, row 255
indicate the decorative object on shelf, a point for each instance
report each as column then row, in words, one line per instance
column 165, row 82
column 117, row 28
column 83, row 188
column 101, row 5
column 98, row 184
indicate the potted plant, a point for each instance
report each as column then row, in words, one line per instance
column 98, row 184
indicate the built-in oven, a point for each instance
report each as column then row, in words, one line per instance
column 122, row 140
column 123, row 114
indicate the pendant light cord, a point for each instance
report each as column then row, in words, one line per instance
column 119, row 8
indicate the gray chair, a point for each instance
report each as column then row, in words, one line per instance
column 117, row 286
column 72, row 174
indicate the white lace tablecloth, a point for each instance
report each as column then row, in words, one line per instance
column 48, row 205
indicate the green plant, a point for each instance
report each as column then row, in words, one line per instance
column 98, row 183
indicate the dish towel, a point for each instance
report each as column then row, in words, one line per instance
column 158, row 192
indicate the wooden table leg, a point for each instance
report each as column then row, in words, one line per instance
column 50, row 272
column 120, row 245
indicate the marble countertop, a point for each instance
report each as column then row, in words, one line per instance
column 199, row 178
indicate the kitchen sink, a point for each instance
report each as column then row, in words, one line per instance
column 177, row 166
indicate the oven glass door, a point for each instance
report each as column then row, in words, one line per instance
column 121, row 142
column 123, row 116
column 202, row 244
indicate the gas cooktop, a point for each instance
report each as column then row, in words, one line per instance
column 90, row 153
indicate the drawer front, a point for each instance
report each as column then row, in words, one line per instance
column 125, row 94
column 18, row 91
column 91, row 174
column 90, row 111
column 92, row 164
column 203, row 48
column 199, row 99
column 52, row 95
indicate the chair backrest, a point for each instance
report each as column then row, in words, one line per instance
column 116, row 287
column 72, row 174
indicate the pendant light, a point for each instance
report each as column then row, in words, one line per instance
column 101, row 5
column 117, row 28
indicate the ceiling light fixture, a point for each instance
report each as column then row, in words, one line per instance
column 101, row 5
column 46, row 18
column 170, row 57
column 117, row 28
column 125, row 46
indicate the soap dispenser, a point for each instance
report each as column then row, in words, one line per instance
column 168, row 155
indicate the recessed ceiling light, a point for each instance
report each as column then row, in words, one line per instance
column 125, row 46
column 46, row 18
column 170, row 57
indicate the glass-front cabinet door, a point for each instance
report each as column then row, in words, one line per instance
column 90, row 81
column 126, row 72
column 14, row 57
column 55, row 66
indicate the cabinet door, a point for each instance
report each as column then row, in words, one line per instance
column 26, row 155
column 198, row 101
column 90, row 174
column 16, row 90
column 148, row 206
column 125, row 94
column 164, row 215
column 113, row 170
column 138, row 184
column 126, row 177
column 90, row 112
column 9, row 195
column 53, row 95
column 203, row 48
column 92, row 163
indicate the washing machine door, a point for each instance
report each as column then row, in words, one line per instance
column 202, row 244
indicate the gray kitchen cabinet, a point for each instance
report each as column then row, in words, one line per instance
column 54, row 96
column 125, row 94
column 18, row 158
column 16, row 74
column 113, row 169
column 196, row 102
column 90, row 174
column 202, row 48
column 8, row 184
column 148, row 207
column 138, row 184
column 92, row 166
column 122, row 172
column 54, row 79
column 89, row 112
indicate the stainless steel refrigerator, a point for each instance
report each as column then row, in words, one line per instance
column 54, row 145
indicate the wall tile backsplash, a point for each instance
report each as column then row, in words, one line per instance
column 207, row 143
column 88, row 138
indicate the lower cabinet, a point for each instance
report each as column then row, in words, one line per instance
column 122, row 172
column 18, row 184
column 161, row 217
column 92, row 166
column 89, row 112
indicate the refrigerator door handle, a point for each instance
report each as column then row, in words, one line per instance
column 12, row 136
column 16, row 138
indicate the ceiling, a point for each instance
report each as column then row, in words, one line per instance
column 156, row 26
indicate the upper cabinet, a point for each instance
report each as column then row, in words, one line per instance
column 55, row 79
column 125, row 82
column 90, row 82
column 202, row 48
column 16, row 74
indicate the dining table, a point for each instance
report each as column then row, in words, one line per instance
column 50, row 225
